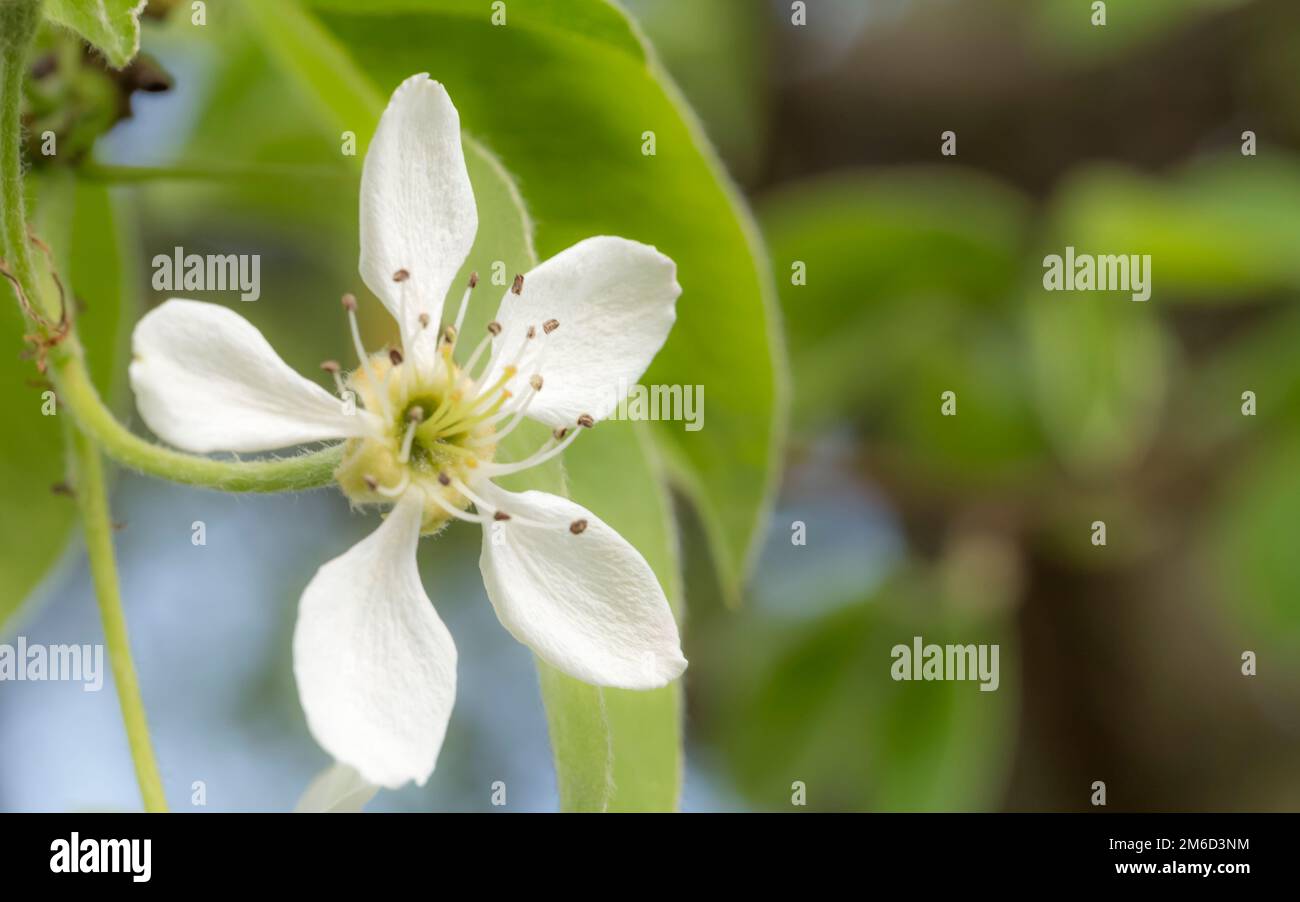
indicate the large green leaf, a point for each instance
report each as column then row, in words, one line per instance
column 111, row 26
column 613, row 750
column 563, row 94
column 84, row 227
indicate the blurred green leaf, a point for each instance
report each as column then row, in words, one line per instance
column 1220, row 230
column 824, row 710
column 87, row 232
column 1250, row 547
column 613, row 750
column 111, row 26
column 563, row 94
column 910, row 281
column 1098, row 365
column 1068, row 27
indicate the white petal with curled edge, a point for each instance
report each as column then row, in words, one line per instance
column 417, row 206
column 376, row 667
column 614, row 300
column 205, row 379
column 338, row 789
column 587, row 604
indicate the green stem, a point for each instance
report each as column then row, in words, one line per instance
column 18, row 21
column 115, row 174
column 78, row 394
column 92, row 499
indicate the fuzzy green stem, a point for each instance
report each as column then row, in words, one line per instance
column 92, row 499
column 18, row 21
column 78, row 394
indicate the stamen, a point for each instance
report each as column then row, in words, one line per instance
column 500, row 515
column 518, row 286
column 586, row 421
column 494, row 328
column 550, row 326
column 395, row 356
column 541, row 456
column 464, row 305
column 332, row 367
column 350, row 305
column 413, row 416
column 535, row 380
column 397, row 490
column 455, row 511
column 401, row 275
column 578, row 527
column 371, row 482
column 483, row 506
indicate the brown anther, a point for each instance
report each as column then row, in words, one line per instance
column 401, row 275
column 535, row 381
column 500, row 515
column 550, row 326
column 371, row 483
column 330, row 366
column 560, row 433
column 494, row 327
column 578, row 527
column 473, row 279
column 415, row 414
column 518, row 286
column 444, row 479
column 586, row 421
column 532, row 331
column 395, row 356
column 349, row 301
column 424, row 320
column 61, row 488
column 449, row 335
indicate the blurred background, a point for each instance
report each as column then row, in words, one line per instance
column 1120, row 664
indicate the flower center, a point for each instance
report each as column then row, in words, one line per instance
column 437, row 428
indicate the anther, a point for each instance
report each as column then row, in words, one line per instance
column 518, row 286
column 550, row 326
column 494, row 327
column 449, row 335
column 444, row 479
column 371, row 482
column 535, row 381
column 560, row 433
column 500, row 515
column 330, row 366
column 578, row 527
column 349, row 302
column 415, row 414
column 586, row 421
column 424, row 320
column 473, row 279
column 401, row 275
column 532, row 331
column 395, row 356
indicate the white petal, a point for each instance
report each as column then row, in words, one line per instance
column 206, row 380
column 588, row 604
column 417, row 206
column 338, row 789
column 376, row 668
column 614, row 302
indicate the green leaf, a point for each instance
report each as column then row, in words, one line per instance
column 563, row 94
column 614, row 750
column 817, row 704
column 81, row 223
column 111, row 26
column 1221, row 230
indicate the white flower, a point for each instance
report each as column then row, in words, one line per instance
column 376, row 668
